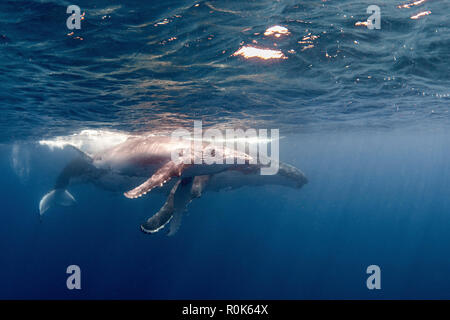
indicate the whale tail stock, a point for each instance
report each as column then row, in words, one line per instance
column 60, row 197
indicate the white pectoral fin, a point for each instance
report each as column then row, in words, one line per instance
column 172, row 212
column 55, row 197
column 164, row 174
column 163, row 216
column 175, row 223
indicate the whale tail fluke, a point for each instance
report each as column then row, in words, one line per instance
column 60, row 197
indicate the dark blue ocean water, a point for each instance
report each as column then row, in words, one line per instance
column 363, row 113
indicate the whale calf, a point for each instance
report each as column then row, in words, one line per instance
column 138, row 164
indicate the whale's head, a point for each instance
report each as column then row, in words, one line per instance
column 293, row 176
column 233, row 178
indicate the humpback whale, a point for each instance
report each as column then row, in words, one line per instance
column 139, row 164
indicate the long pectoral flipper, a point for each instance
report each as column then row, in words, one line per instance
column 172, row 211
column 164, row 174
column 185, row 194
column 163, row 216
